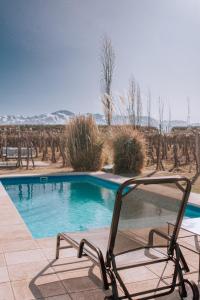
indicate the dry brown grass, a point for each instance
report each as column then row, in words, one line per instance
column 129, row 151
column 84, row 144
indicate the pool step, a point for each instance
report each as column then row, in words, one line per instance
column 43, row 179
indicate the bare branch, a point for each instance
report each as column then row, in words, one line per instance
column 149, row 109
column 132, row 101
column 188, row 112
column 139, row 106
column 107, row 59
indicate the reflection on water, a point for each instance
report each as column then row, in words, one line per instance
column 78, row 205
column 49, row 208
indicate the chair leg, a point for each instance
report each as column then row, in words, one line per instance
column 115, row 295
column 182, row 288
column 104, row 277
column 183, row 262
column 58, row 246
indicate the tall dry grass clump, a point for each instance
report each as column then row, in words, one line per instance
column 129, row 150
column 84, row 144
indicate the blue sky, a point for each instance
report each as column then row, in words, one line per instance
column 49, row 53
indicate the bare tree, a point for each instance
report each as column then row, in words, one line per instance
column 108, row 63
column 159, row 164
column 160, row 114
column 188, row 112
column 139, row 106
column 149, row 109
column 132, row 101
column 169, row 118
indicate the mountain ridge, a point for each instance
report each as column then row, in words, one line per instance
column 62, row 116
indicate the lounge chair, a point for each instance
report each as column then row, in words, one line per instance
column 18, row 154
column 139, row 236
column 13, row 152
column 10, row 153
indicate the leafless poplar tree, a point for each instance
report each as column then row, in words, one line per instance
column 108, row 63
column 159, row 164
column 160, row 114
column 188, row 112
column 169, row 118
column 132, row 101
column 149, row 109
column 139, row 106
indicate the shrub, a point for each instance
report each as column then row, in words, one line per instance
column 84, row 144
column 129, row 154
column 108, row 144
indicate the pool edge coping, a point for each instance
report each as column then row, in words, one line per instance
column 112, row 178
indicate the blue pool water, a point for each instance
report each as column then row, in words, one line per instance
column 192, row 211
column 66, row 203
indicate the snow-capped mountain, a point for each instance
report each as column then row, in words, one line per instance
column 63, row 116
column 58, row 117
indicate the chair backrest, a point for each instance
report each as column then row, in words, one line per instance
column 12, row 152
column 4, row 151
column 146, row 205
column 25, row 152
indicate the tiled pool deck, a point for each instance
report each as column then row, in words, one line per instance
column 28, row 269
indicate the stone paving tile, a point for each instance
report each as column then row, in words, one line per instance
column 174, row 296
column 143, row 285
column 3, row 274
column 59, row 297
column 70, row 264
column 22, row 291
column 2, row 260
column 164, row 269
column 78, row 284
column 137, row 274
column 28, row 270
column 89, row 295
column 46, row 242
column 73, row 274
column 48, row 285
column 14, row 232
column 50, row 253
column 80, row 279
column 8, row 220
column 24, row 256
column 192, row 276
column 28, row 290
column 6, row 292
column 185, row 251
column 19, row 245
column 192, row 260
column 150, row 284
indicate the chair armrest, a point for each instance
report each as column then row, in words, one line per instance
column 159, row 233
column 84, row 242
column 100, row 262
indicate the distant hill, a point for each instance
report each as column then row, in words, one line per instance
column 62, row 116
column 57, row 117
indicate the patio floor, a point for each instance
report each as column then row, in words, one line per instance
column 28, row 269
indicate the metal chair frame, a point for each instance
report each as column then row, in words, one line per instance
column 108, row 267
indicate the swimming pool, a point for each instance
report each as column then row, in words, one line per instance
column 62, row 203
column 68, row 203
